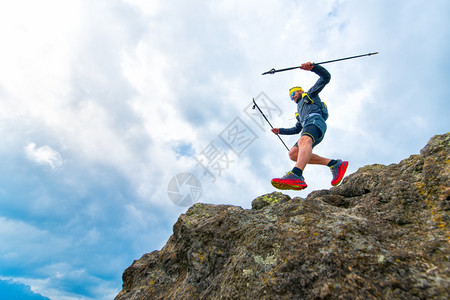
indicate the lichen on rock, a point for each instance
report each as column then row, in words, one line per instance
column 269, row 199
column 382, row 234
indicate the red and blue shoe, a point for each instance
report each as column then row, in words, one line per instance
column 338, row 170
column 290, row 181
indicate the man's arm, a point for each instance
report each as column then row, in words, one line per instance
column 321, row 82
column 289, row 131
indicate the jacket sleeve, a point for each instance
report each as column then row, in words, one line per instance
column 290, row 131
column 321, row 82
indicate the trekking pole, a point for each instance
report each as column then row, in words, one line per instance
column 273, row 71
column 256, row 105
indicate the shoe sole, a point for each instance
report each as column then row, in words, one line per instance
column 341, row 173
column 285, row 186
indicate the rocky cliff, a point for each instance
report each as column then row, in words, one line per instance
column 382, row 234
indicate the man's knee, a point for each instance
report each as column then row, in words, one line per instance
column 293, row 153
column 305, row 141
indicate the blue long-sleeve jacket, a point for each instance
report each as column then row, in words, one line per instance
column 310, row 104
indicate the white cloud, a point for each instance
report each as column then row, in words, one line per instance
column 42, row 250
column 44, row 155
column 115, row 86
column 23, row 243
column 49, row 287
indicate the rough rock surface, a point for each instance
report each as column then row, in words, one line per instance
column 382, row 234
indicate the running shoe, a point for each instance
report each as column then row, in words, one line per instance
column 338, row 170
column 290, row 181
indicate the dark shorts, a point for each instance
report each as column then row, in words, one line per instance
column 314, row 133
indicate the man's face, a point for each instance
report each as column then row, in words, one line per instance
column 296, row 96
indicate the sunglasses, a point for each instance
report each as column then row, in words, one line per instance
column 292, row 95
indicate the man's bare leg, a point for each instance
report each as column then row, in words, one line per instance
column 314, row 160
column 304, row 152
column 318, row 160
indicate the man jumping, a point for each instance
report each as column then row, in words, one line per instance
column 311, row 116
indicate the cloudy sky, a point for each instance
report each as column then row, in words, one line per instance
column 105, row 104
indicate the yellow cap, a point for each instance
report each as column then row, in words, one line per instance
column 294, row 89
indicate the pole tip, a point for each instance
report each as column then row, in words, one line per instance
column 272, row 71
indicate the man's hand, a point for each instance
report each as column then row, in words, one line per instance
column 307, row 66
column 276, row 130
